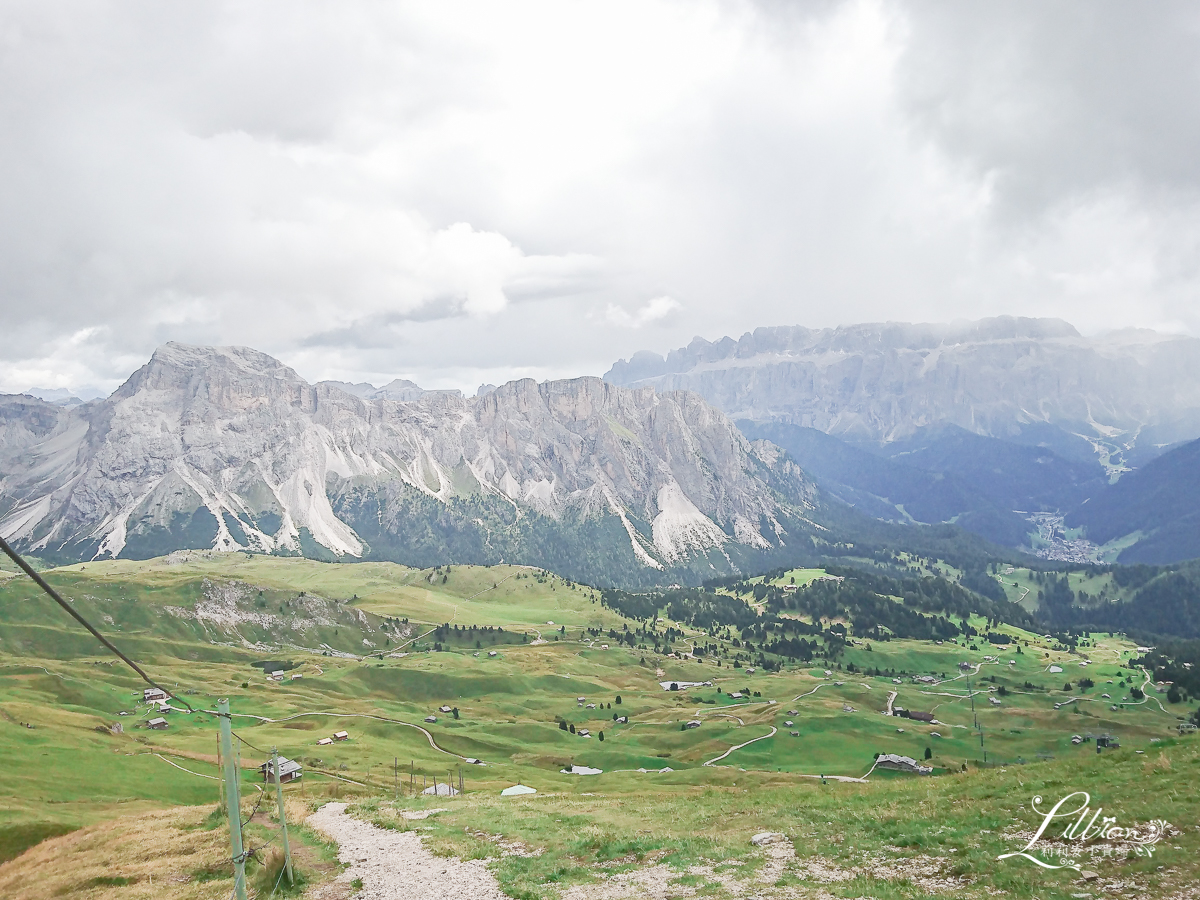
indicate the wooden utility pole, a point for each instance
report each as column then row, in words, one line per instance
column 233, row 804
column 287, row 848
column 396, row 777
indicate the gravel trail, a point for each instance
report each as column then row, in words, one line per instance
column 394, row 865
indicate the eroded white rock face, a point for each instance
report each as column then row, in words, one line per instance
column 231, row 438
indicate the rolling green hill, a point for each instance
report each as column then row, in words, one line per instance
column 375, row 649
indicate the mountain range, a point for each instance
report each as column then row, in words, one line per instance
column 717, row 457
column 986, row 424
column 228, row 448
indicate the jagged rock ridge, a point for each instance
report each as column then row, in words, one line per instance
column 228, row 448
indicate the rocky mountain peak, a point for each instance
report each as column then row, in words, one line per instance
column 200, row 372
column 229, row 448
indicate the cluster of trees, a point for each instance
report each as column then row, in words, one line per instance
column 464, row 635
column 929, row 608
column 1164, row 602
column 872, row 614
column 1177, row 662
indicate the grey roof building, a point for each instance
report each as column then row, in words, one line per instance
column 289, row 770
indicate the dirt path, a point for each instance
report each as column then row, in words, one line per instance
column 891, row 699
column 492, row 588
column 334, row 715
column 774, row 730
column 394, row 865
column 813, row 691
column 1145, row 694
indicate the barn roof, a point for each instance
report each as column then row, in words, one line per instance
column 286, row 766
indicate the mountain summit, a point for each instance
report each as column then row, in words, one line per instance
column 228, row 448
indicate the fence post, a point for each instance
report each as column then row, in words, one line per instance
column 287, row 848
column 233, row 804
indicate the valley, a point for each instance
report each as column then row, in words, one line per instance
column 985, row 424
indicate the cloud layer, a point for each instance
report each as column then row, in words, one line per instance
column 466, row 192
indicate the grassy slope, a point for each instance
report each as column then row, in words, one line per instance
column 65, row 773
column 382, row 588
column 895, row 838
column 180, row 853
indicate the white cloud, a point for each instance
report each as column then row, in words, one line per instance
column 654, row 311
column 445, row 190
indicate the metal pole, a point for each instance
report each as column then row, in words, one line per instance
column 396, row 777
column 287, row 848
column 233, row 804
column 972, row 694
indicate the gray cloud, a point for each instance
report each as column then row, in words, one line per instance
column 1060, row 99
column 458, row 193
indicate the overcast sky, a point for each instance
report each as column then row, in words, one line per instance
column 458, row 192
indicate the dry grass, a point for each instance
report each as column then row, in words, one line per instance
column 160, row 854
column 176, row 854
column 1161, row 762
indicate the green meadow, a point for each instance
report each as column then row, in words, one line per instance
column 375, row 649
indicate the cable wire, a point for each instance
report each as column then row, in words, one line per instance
column 246, row 854
column 257, row 804
column 282, row 872
column 250, row 745
column 54, row 595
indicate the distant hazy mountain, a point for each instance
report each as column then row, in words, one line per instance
column 978, row 423
column 1160, row 502
column 56, row 396
column 1032, row 381
column 399, row 389
column 940, row 474
column 229, row 448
